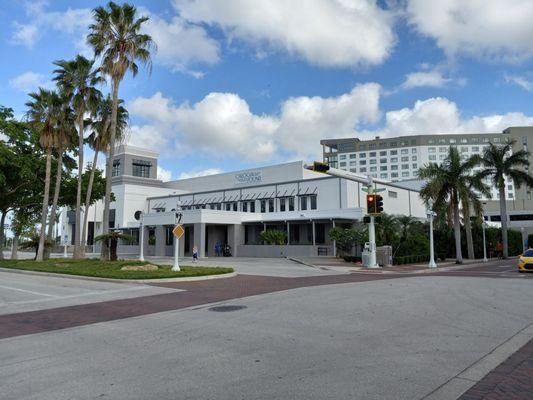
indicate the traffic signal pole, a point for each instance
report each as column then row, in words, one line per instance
column 371, row 229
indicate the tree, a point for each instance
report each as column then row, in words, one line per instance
column 99, row 141
column 44, row 113
column 498, row 163
column 77, row 79
column 445, row 185
column 344, row 238
column 387, row 229
column 115, row 37
column 23, row 227
column 471, row 204
column 274, row 237
column 112, row 238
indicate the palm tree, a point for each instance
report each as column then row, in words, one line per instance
column 77, row 79
column 66, row 133
column 446, row 184
column 387, row 229
column 99, row 141
column 115, row 37
column 44, row 113
column 499, row 162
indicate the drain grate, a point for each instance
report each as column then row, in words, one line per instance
column 226, row 308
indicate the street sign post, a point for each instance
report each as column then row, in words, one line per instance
column 178, row 232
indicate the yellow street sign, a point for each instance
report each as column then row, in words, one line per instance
column 178, row 231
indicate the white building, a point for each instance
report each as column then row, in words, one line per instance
column 235, row 207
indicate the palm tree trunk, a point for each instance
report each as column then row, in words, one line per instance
column 104, row 256
column 457, row 229
column 2, row 225
column 46, row 195
column 14, row 250
column 55, row 200
column 88, row 200
column 468, row 229
column 503, row 215
column 78, row 251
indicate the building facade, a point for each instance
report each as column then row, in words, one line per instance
column 234, row 208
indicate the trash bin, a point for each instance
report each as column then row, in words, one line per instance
column 384, row 256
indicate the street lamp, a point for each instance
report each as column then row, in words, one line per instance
column 430, row 215
column 483, row 224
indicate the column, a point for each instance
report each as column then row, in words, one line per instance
column 160, row 240
column 314, row 234
column 199, row 239
column 235, row 238
column 334, row 242
column 288, row 234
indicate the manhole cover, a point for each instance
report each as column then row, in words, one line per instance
column 226, row 308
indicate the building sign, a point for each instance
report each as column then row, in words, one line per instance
column 249, row 177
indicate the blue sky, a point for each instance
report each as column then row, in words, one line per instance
column 242, row 83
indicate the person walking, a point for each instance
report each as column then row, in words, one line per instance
column 195, row 254
column 218, row 249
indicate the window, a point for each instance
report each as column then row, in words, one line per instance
column 415, row 166
column 510, row 195
column 393, row 194
column 443, row 149
column 382, row 153
column 384, row 176
column 291, row 203
column 313, row 201
column 372, row 146
column 413, row 158
column 372, row 154
column 496, row 140
column 353, row 163
column 362, row 155
column 393, row 144
column 270, row 205
column 352, row 156
column 169, row 236
column 373, row 169
column 383, row 168
column 509, row 187
column 485, row 140
column 235, row 206
column 442, row 156
column 362, row 169
column 393, row 152
column 383, row 161
column 413, row 150
column 405, row 166
column 252, row 206
column 342, row 164
column 405, row 174
column 116, row 168
column 282, row 204
column 245, row 206
column 394, row 168
column 303, row 203
column 464, row 149
column 141, row 168
column 353, row 169
column 431, row 150
column 362, row 162
column 464, row 140
column 263, row 206
column 394, row 175
column 405, row 151
column 362, row 147
column 373, row 161
column 228, row 206
column 405, row 159
column 453, row 140
column 442, row 140
column 431, row 141
column 342, row 157
column 475, row 149
column 394, row 159
column 432, row 157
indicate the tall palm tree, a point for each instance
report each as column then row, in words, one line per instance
column 446, row 183
column 78, row 79
column 499, row 162
column 44, row 113
column 115, row 37
column 66, row 133
column 99, row 142
column 471, row 206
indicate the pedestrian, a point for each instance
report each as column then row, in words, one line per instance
column 218, row 249
column 195, row 254
column 499, row 250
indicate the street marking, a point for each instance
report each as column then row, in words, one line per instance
column 28, row 291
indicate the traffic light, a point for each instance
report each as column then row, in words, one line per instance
column 370, row 204
column 379, row 204
column 320, row 167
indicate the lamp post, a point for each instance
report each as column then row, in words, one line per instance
column 141, row 237
column 431, row 214
column 483, row 224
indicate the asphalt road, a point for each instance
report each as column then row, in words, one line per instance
column 399, row 338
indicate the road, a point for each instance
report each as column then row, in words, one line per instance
column 326, row 336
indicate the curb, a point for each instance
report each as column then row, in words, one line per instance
column 114, row 280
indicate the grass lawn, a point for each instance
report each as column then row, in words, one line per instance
column 109, row 269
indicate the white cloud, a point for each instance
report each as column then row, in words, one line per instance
column 494, row 29
column 329, row 33
column 522, row 81
column 181, row 44
column 74, row 22
column 164, row 174
column 432, row 78
column 196, row 173
column 29, row 81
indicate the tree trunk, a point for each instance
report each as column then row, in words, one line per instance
column 468, row 230
column 78, row 251
column 14, row 250
column 104, row 256
column 2, row 224
column 53, row 212
column 88, row 200
column 503, row 215
column 457, row 229
column 46, row 195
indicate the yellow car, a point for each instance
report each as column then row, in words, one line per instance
column 525, row 261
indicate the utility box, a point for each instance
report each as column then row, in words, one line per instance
column 365, row 255
column 384, row 256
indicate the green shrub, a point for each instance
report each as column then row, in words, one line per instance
column 274, row 237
